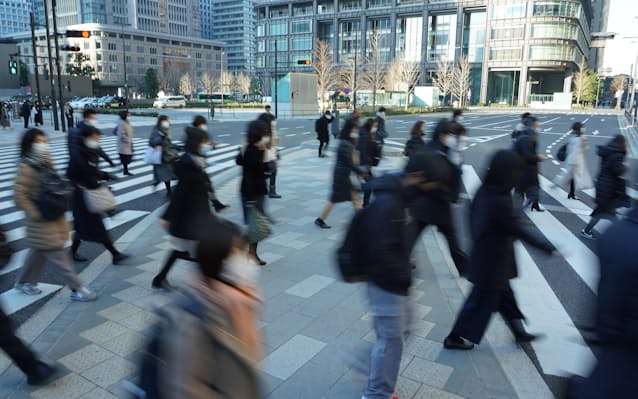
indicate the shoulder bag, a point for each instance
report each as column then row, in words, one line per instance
column 99, row 200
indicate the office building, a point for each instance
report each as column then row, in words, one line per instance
column 233, row 22
column 14, row 16
column 206, row 18
column 519, row 50
column 599, row 24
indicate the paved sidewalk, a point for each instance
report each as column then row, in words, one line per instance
column 314, row 325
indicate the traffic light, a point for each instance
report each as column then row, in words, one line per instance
column 303, row 62
column 69, row 48
column 84, row 34
column 13, row 67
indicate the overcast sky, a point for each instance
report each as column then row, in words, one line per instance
column 621, row 52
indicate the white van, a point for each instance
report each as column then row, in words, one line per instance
column 168, row 102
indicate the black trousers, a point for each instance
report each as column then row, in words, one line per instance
column 23, row 357
column 170, row 261
column 477, row 310
column 26, row 122
column 125, row 160
column 323, row 145
column 449, row 232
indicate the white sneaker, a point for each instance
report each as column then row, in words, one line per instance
column 589, row 236
column 28, row 288
column 83, row 295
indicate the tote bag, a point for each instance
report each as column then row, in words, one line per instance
column 99, row 200
column 153, row 156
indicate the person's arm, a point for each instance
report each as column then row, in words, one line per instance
column 105, row 156
column 21, row 194
column 508, row 221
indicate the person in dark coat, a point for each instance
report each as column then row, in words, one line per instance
column 161, row 137
column 39, row 117
column 68, row 114
column 614, row 375
column 190, row 203
column 369, row 153
column 271, row 153
column 25, row 111
column 84, row 173
column 415, row 143
column 321, row 127
column 334, row 125
column 253, row 181
column 610, row 186
column 436, row 208
column 521, row 126
column 74, row 138
column 494, row 227
column 526, row 146
column 347, row 163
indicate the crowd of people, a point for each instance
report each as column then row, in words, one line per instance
column 214, row 319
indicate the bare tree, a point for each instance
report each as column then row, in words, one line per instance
column 461, row 81
column 207, row 81
column 581, row 81
column 169, row 81
column 242, row 82
column 407, row 76
column 374, row 72
column 444, row 78
column 392, row 76
column 348, row 76
column 186, row 86
column 324, row 67
column 225, row 82
column 618, row 84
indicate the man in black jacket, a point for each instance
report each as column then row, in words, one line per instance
column 526, row 145
column 89, row 119
column 389, row 269
column 321, row 127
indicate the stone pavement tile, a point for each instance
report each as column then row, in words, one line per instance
column 278, row 305
column 310, row 286
column 302, row 221
column 271, row 257
column 68, row 344
column 306, row 384
column 104, row 332
column 85, row 358
column 428, row 372
column 70, row 386
column 119, row 311
column 272, row 284
column 321, row 303
column 439, row 332
column 267, row 382
column 139, row 321
column 291, row 356
column 132, row 293
column 142, row 279
column 329, row 326
column 152, row 266
column 419, row 311
column 421, row 328
column 109, row 372
column 125, row 344
column 285, row 327
column 98, row 393
column 428, row 392
column 422, row 347
column 156, row 300
column 406, row 388
column 350, row 385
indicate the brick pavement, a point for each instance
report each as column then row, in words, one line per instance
column 314, row 325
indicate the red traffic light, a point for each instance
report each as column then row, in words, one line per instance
column 85, row 34
column 303, row 62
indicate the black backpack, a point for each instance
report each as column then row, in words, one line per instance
column 561, row 155
column 53, row 197
column 351, row 255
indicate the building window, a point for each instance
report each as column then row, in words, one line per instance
column 302, row 43
column 349, row 5
column 302, row 27
column 326, row 31
column 260, row 30
column 261, row 45
column 113, row 57
column 561, row 8
column 302, row 9
column 153, row 61
column 279, row 12
column 98, row 45
column 99, row 68
column 506, row 11
column 112, row 46
column 98, row 57
column 508, row 32
column 141, row 60
column 555, row 31
column 552, row 53
column 349, row 37
column 380, row 3
column 282, row 45
column 380, row 27
column 409, row 38
column 441, row 37
column 505, row 54
column 325, row 7
column 279, row 28
column 153, row 50
column 140, row 49
column 86, row 45
column 474, row 35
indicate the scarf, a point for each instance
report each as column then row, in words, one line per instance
column 39, row 161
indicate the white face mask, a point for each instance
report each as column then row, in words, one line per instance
column 240, row 269
column 165, row 125
column 40, row 148
column 203, row 127
column 265, row 140
column 373, row 130
column 204, row 148
column 459, row 119
column 329, row 117
column 91, row 122
column 382, row 114
column 354, row 135
column 92, row 144
column 451, row 141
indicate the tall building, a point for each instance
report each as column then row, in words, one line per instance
column 14, row 16
column 599, row 24
column 206, row 18
column 519, row 50
column 233, row 22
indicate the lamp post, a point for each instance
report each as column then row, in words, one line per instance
column 56, row 123
column 54, row 7
column 35, row 58
column 276, row 94
column 126, row 100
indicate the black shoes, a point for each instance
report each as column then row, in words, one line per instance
column 259, row 261
column 319, row 222
column 119, row 258
column 521, row 336
column 79, row 258
column 456, row 342
column 537, row 208
column 162, row 284
column 218, row 205
column 41, row 374
column 127, row 173
column 573, row 196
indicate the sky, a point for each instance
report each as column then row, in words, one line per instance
column 622, row 52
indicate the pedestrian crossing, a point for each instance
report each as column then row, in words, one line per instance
column 125, row 189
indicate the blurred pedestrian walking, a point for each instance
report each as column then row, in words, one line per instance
column 334, row 125
column 271, row 153
column 83, row 171
column 521, row 126
column 74, row 138
column 369, row 153
column 25, row 112
column 494, row 227
column 610, row 185
column 575, row 172
column 68, row 114
column 415, row 143
column 381, row 133
column 46, row 232
column 38, row 116
column 160, row 139
column 526, row 146
column 125, row 141
column 5, row 121
column 321, row 128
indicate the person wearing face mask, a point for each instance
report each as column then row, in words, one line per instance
column 347, row 163
column 436, row 208
column 369, row 153
column 200, row 124
column 381, row 134
column 74, row 138
column 457, row 116
column 416, row 142
column 84, row 173
column 456, row 146
column 271, row 155
column 576, row 173
column 45, row 239
column 526, row 146
column 125, row 141
column 190, row 203
column 161, row 138
column 321, row 128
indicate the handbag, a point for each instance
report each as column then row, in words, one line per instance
column 6, row 249
column 53, row 196
column 153, row 156
column 259, row 227
column 561, row 155
column 99, row 200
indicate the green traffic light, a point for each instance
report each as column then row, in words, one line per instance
column 13, row 67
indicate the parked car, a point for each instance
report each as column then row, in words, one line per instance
column 83, row 103
column 117, row 102
column 170, row 102
column 103, row 102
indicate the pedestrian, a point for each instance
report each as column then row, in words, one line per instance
column 457, row 116
column 369, row 153
column 161, row 137
column 389, row 270
column 84, row 173
column 347, row 163
column 457, row 146
column 335, row 121
column 190, row 203
column 253, row 182
column 5, row 121
column 200, row 124
column 614, row 375
column 68, row 114
column 268, row 109
column 213, row 345
column 38, row 119
column 381, row 133
column 271, row 154
column 526, row 146
column 436, row 208
column 576, row 173
column 521, row 126
column 125, row 141
column 494, row 227
column 321, row 128
column 415, row 143
column 45, row 239
column 75, row 140
column 25, row 111
column 610, row 186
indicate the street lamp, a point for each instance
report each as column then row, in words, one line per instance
column 126, row 99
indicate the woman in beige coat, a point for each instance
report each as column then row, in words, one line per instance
column 125, row 141
column 45, row 238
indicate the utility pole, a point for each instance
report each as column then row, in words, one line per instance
column 276, row 97
column 56, row 123
column 354, row 83
column 124, row 59
column 35, row 58
column 57, row 62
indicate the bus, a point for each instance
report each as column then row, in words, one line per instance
column 215, row 98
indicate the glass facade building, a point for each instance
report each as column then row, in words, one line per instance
column 14, row 16
column 516, row 48
column 233, row 22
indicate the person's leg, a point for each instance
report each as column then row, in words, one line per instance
column 326, row 211
column 572, row 189
column 508, row 308
column 272, row 190
column 320, row 147
column 60, row 259
column 158, row 280
column 475, row 315
column 26, row 122
column 415, row 227
column 592, row 223
column 23, row 357
column 458, row 256
column 32, row 270
column 167, row 184
column 356, row 200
